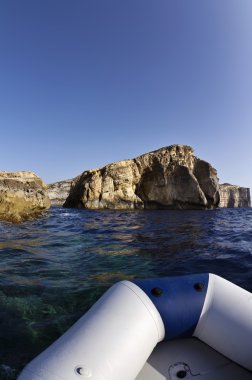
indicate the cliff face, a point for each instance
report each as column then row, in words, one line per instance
column 22, row 195
column 234, row 196
column 59, row 191
column 170, row 177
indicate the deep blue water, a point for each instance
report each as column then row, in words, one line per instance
column 54, row 268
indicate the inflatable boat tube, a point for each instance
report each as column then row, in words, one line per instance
column 114, row 339
column 111, row 341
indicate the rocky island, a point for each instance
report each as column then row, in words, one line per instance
column 22, row 195
column 171, row 178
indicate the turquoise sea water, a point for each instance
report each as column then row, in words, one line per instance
column 53, row 269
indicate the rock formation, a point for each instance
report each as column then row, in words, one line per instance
column 170, row 177
column 59, row 191
column 22, row 195
column 234, row 196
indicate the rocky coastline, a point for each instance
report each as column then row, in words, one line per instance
column 59, row 191
column 232, row 196
column 171, row 177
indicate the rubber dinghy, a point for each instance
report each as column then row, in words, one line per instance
column 196, row 326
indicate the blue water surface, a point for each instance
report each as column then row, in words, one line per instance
column 54, row 268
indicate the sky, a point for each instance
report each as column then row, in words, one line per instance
column 87, row 82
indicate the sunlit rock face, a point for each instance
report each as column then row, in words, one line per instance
column 234, row 196
column 23, row 195
column 59, row 191
column 170, row 177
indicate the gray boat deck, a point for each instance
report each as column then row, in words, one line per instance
column 190, row 359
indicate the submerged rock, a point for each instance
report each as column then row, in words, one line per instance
column 59, row 191
column 170, row 177
column 234, row 196
column 22, row 195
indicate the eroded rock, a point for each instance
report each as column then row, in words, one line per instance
column 170, row 177
column 23, row 195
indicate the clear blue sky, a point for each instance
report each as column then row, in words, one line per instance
column 88, row 82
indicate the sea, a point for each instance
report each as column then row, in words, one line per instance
column 54, row 268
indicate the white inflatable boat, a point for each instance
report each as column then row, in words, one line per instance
column 197, row 326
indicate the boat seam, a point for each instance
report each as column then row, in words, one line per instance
column 150, row 312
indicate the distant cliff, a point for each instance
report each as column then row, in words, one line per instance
column 59, row 191
column 170, row 177
column 234, row 196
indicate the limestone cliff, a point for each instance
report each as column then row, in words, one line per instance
column 234, row 196
column 22, row 195
column 59, row 191
column 170, row 177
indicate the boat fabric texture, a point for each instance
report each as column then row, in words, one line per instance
column 179, row 301
column 114, row 339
